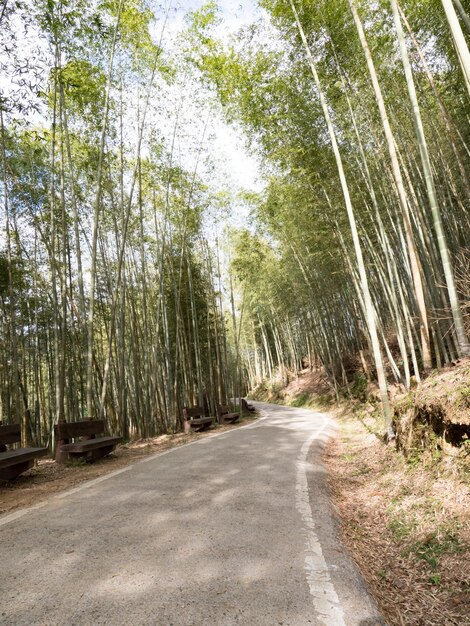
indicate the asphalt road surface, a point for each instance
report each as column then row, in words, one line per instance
column 232, row 529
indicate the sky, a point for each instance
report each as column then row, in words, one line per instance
column 234, row 166
column 229, row 143
column 235, row 169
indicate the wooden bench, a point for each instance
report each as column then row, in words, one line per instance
column 85, row 442
column 15, row 462
column 224, row 414
column 247, row 407
column 193, row 418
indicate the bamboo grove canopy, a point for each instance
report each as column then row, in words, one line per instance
column 117, row 300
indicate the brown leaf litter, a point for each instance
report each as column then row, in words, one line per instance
column 406, row 525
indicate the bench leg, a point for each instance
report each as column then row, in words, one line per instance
column 61, row 456
column 15, row 470
column 187, row 427
column 99, row 453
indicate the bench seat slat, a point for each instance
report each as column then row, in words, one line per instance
column 201, row 420
column 13, row 457
column 90, row 444
column 230, row 417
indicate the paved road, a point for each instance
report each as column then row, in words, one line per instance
column 232, row 529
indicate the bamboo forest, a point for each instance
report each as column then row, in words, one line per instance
column 138, row 275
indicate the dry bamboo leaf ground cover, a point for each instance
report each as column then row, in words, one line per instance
column 406, row 525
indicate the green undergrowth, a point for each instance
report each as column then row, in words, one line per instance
column 274, row 394
column 309, row 401
column 76, row 462
column 267, row 392
column 302, row 400
column 285, row 390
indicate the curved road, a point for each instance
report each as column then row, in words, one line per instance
column 232, row 529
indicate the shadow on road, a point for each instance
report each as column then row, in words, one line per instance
column 208, row 534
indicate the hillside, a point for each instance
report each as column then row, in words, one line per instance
column 403, row 507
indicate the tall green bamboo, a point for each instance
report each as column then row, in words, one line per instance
column 369, row 308
column 397, row 176
column 459, row 39
column 464, row 345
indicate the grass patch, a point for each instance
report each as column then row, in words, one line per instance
column 358, row 389
column 323, row 401
column 464, row 398
column 77, row 462
column 401, row 528
column 443, row 541
column 302, row 400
